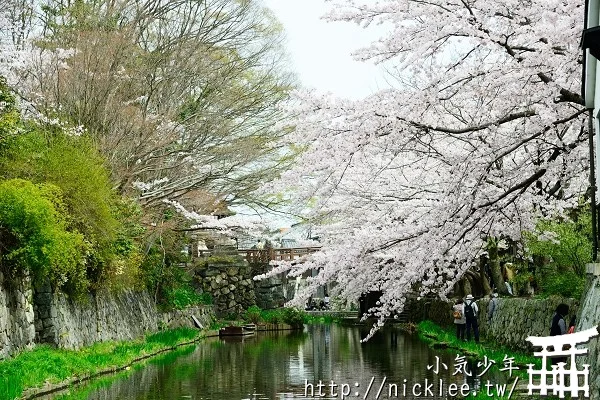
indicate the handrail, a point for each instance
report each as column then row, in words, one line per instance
column 276, row 254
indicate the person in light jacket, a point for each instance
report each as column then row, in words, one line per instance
column 492, row 307
column 459, row 310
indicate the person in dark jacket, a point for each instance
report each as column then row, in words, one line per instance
column 559, row 327
column 471, row 313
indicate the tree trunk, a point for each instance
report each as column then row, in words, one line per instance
column 497, row 277
column 485, row 284
column 466, row 286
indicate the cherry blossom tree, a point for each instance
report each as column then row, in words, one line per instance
column 180, row 96
column 483, row 132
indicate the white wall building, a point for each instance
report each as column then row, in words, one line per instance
column 591, row 93
column 591, row 77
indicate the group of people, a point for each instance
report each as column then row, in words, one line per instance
column 317, row 304
column 465, row 315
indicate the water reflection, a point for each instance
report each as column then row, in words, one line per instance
column 289, row 365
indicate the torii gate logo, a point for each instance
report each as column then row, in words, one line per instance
column 562, row 380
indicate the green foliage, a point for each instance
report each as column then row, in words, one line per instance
column 272, row 316
column 290, row 316
column 71, row 174
column 185, row 296
column 565, row 247
column 125, row 253
column 253, row 314
column 216, row 325
column 293, row 317
column 162, row 274
column 565, row 284
column 109, row 224
column 46, row 364
column 566, row 242
column 34, row 235
column 47, row 155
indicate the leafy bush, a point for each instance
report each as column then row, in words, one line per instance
column 125, row 255
column 565, row 284
column 34, row 234
column 272, row 316
column 46, row 154
column 565, row 247
column 74, row 165
column 253, row 314
column 293, row 317
column 160, row 271
column 186, row 296
column 567, row 243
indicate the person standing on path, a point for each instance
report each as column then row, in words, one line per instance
column 471, row 312
column 559, row 327
column 458, row 312
column 492, row 306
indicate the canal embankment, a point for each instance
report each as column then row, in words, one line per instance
column 30, row 316
column 47, row 369
column 513, row 321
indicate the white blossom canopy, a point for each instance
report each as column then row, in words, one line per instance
column 484, row 132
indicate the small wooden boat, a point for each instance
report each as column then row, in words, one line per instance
column 236, row 331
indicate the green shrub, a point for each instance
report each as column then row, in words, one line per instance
column 565, row 284
column 567, row 243
column 272, row 316
column 253, row 314
column 186, row 296
column 160, row 269
column 33, row 231
column 109, row 224
column 76, row 167
column 293, row 317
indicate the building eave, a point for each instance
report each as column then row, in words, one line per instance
column 590, row 63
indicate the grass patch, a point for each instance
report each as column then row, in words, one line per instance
column 45, row 364
column 83, row 392
column 445, row 339
column 326, row 319
column 290, row 316
column 433, row 334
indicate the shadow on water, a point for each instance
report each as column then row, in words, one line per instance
column 283, row 365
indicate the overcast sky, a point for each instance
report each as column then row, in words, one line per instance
column 321, row 54
column 321, row 50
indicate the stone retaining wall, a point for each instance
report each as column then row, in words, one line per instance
column 98, row 318
column 183, row 318
column 16, row 316
column 30, row 316
column 106, row 316
column 515, row 319
column 228, row 278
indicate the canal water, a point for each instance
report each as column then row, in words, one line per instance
column 324, row 361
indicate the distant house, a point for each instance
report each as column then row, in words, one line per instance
column 298, row 235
